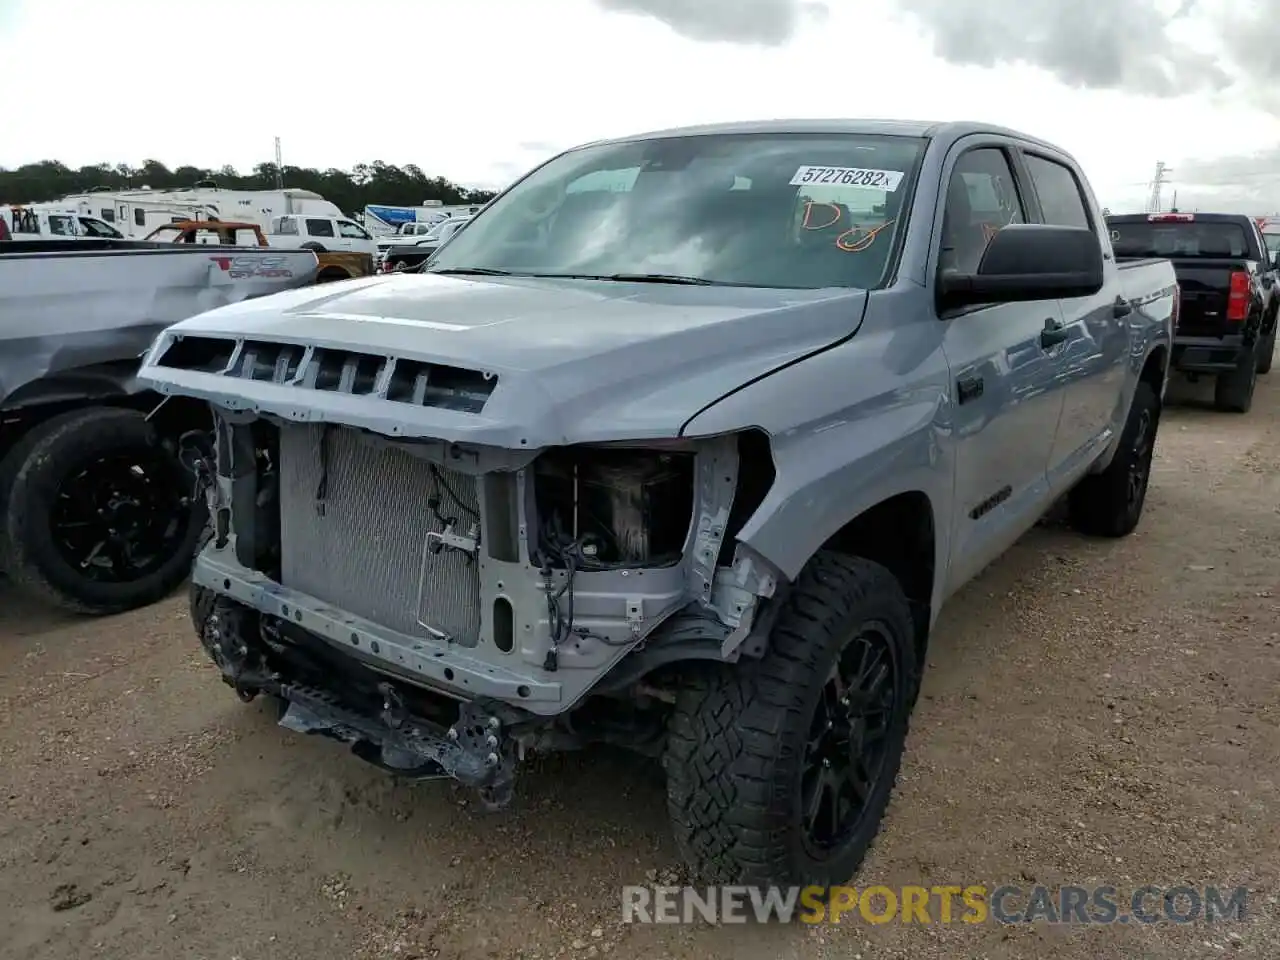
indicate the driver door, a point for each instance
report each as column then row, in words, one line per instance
column 1005, row 401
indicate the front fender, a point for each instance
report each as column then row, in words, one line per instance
column 846, row 433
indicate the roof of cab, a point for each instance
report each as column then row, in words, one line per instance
column 948, row 130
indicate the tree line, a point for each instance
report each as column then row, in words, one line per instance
column 367, row 183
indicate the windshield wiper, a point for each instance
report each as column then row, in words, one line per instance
column 629, row 278
column 661, row 278
column 615, row 277
column 475, row 272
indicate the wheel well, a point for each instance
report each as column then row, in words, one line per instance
column 332, row 274
column 898, row 534
column 172, row 418
column 1153, row 370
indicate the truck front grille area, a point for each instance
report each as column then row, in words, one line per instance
column 398, row 380
column 355, row 525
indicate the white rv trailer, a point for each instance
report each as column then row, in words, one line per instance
column 205, row 201
column 134, row 217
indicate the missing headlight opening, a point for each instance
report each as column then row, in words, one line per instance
column 600, row 509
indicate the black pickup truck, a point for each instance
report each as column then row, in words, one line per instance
column 1230, row 292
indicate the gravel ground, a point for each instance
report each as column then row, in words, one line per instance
column 1093, row 712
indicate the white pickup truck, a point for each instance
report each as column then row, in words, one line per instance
column 51, row 222
column 321, row 234
column 96, row 511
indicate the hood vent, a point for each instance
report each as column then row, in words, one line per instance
column 336, row 371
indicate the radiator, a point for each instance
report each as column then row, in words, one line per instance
column 357, row 540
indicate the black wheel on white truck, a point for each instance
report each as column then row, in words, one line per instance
column 97, row 514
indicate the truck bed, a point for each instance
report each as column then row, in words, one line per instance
column 1141, row 276
column 71, row 306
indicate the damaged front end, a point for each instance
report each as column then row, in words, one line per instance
column 445, row 606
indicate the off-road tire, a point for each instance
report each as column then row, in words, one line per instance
column 29, row 478
column 737, row 734
column 1100, row 505
column 1267, row 348
column 1233, row 391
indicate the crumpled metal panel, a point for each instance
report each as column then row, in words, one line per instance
column 355, row 535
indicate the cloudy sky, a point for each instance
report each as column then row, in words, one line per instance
column 1195, row 83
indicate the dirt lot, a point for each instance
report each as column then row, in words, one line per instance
column 1093, row 712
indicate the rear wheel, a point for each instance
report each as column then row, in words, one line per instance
column 1233, row 391
column 1267, row 348
column 1109, row 504
column 99, row 516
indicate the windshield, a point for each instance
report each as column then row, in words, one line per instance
column 1195, row 238
column 772, row 210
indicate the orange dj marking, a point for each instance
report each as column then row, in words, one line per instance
column 853, row 240
column 808, row 210
column 863, row 237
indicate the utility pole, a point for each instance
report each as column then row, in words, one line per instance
column 279, row 167
column 1157, row 185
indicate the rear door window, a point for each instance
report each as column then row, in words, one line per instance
column 1061, row 200
column 319, row 228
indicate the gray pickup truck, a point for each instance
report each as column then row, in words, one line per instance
column 680, row 445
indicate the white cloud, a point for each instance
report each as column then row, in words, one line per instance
column 507, row 82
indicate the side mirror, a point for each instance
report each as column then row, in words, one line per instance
column 1029, row 261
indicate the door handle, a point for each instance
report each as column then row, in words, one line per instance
column 1053, row 334
column 1122, row 308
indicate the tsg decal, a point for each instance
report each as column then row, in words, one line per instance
column 242, row 268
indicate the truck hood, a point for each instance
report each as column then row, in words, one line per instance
column 562, row 361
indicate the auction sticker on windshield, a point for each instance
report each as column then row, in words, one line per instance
column 847, row 177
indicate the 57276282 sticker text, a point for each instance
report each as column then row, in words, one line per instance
column 847, row 177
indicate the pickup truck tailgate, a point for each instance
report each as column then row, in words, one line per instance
column 1205, row 285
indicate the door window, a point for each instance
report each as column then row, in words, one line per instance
column 351, row 231
column 1061, row 201
column 286, row 227
column 96, row 228
column 25, row 221
column 319, row 228
column 982, row 197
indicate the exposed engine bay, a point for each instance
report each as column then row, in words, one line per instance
column 443, row 609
